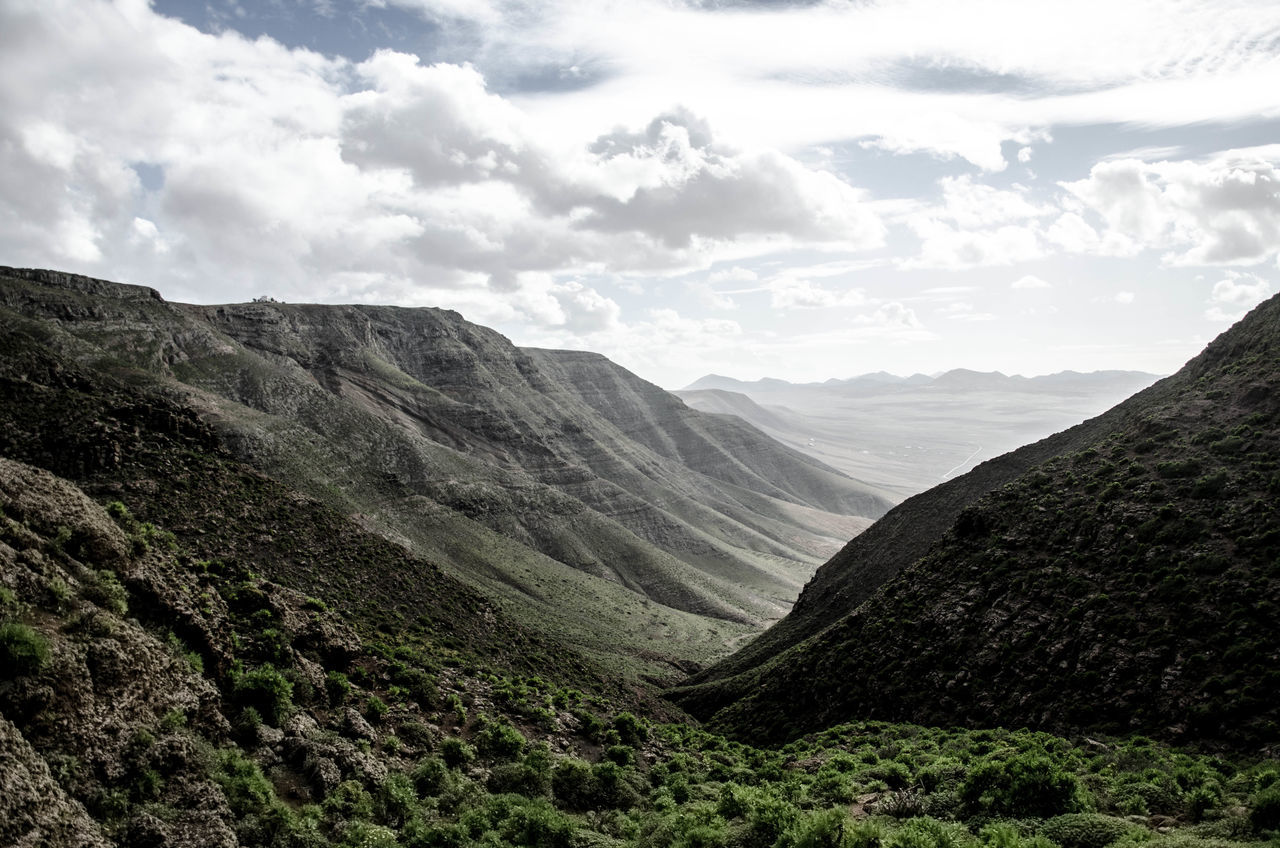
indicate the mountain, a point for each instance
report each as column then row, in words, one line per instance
column 195, row 653
column 1117, row 577
column 903, row 436
column 554, row 481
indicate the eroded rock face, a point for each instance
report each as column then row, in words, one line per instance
column 34, row 809
column 50, row 506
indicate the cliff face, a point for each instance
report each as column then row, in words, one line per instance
column 515, row 469
column 1117, row 577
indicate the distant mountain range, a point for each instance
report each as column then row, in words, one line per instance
column 956, row 378
column 905, row 434
column 1118, row 577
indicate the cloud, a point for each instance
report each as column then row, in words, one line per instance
column 1029, row 281
column 976, row 225
column 891, row 320
column 788, row 292
column 1236, row 294
column 1225, row 211
column 281, row 169
column 908, row 77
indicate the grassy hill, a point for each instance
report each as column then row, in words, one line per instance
column 1123, row 576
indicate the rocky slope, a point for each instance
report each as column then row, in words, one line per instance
column 539, row 476
column 1119, row 576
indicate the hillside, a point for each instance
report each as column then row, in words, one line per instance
column 905, row 435
column 553, row 481
column 149, row 697
column 1119, row 577
column 193, row 653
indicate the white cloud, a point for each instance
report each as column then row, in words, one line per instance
column 310, row 176
column 976, row 225
column 945, row 246
column 736, row 274
column 1029, row 281
column 1236, row 294
column 788, row 292
column 710, row 297
column 891, row 320
column 1219, row 212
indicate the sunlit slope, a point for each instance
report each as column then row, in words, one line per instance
column 501, row 464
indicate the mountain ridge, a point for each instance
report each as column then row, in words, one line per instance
column 500, row 463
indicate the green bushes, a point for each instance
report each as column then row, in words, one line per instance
column 1024, row 785
column 1264, row 814
column 266, row 690
column 499, row 740
column 1085, row 830
column 105, row 590
column 23, row 651
column 456, row 753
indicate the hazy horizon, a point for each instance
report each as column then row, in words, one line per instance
column 795, row 190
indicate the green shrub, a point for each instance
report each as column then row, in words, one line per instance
column 417, row 734
column 1024, row 785
column 456, row 753
column 418, row 685
column 397, row 798
column 1085, row 830
column 823, row 829
column 348, row 802
column 631, row 730
column 430, row 777
column 266, row 690
column 930, row 833
column 246, row 789
column 1264, row 812
column 375, row 709
column 573, row 784
column 536, row 825
column 500, row 741
column 23, row 651
column 105, row 590
column 337, row 687
column 623, row 755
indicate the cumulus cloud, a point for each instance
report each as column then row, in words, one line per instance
column 319, row 177
column 1222, row 211
column 1236, row 294
column 976, row 225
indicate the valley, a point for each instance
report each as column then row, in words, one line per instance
column 279, row 575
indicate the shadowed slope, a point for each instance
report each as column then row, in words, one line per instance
column 1119, row 576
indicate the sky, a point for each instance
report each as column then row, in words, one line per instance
column 798, row 190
